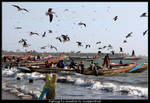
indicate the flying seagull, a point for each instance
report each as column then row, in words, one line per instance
column 133, row 53
column 145, row 32
column 100, row 48
column 43, row 47
column 121, row 50
column 50, row 14
column 104, row 47
column 44, row 34
column 115, row 18
column 65, row 37
column 124, row 41
column 19, row 8
column 79, row 43
column 51, row 46
column 110, row 46
column 50, row 31
column 87, row 46
column 18, row 27
column 78, row 52
column 144, row 15
column 80, row 23
column 22, row 40
column 112, row 52
column 129, row 35
column 59, row 39
column 32, row 33
column 98, row 42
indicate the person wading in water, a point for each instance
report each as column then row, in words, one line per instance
column 106, row 61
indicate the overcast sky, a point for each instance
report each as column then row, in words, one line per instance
column 98, row 17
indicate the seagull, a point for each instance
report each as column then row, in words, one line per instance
column 79, row 43
column 78, row 52
column 43, row 47
column 50, row 31
column 25, row 44
column 144, row 15
column 18, row 27
column 22, row 40
column 98, row 42
column 133, row 53
column 124, row 41
column 44, row 34
column 65, row 37
column 104, row 47
column 110, row 46
column 50, row 14
column 100, row 48
column 145, row 32
column 66, row 10
column 112, row 52
column 115, row 18
column 32, row 33
column 59, row 39
column 129, row 35
column 121, row 49
column 19, row 9
column 99, row 52
column 80, row 23
column 51, row 46
column 87, row 46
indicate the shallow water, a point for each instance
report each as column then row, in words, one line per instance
column 78, row 86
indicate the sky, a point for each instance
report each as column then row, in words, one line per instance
column 98, row 17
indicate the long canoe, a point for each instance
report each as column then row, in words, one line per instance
column 109, row 71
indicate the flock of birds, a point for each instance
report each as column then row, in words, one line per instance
column 65, row 38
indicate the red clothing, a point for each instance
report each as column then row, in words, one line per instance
column 47, row 64
column 106, row 61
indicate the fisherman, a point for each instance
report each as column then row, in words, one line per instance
column 82, row 67
column 72, row 64
column 106, row 61
column 120, row 62
column 49, row 88
column 47, row 64
column 61, row 64
column 92, row 65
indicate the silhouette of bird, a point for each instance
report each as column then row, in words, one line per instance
column 121, row 50
column 50, row 14
column 18, row 27
column 129, row 35
column 144, row 15
column 98, row 42
column 99, row 52
column 22, row 40
column 65, row 38
column 112, row 52
column 133, row 53
column 50, row 31
column 79, row 43
column 145, row 32
column 100, row 48
column 51, row 46
column 124, row 41
column 66, row 10
column 87, row 46
column 59, row 39
column 115, row 18
column 80, row 23
column 78, row 52
column 110, row 46
column 19, row 8
column 44, row 47
column 32, row 33
column 44, row 34
column 104, row 47
column 25, row 44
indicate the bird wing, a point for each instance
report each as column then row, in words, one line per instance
column 50, row 17
column 25, row 10
column 16, row 6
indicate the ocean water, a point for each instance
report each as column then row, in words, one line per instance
column 79, row 86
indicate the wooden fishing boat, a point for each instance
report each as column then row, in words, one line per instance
column 49, row 70
column 117, row 65
column 109, row 71
column 139, row 68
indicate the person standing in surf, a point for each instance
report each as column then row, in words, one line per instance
column 106, row 61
